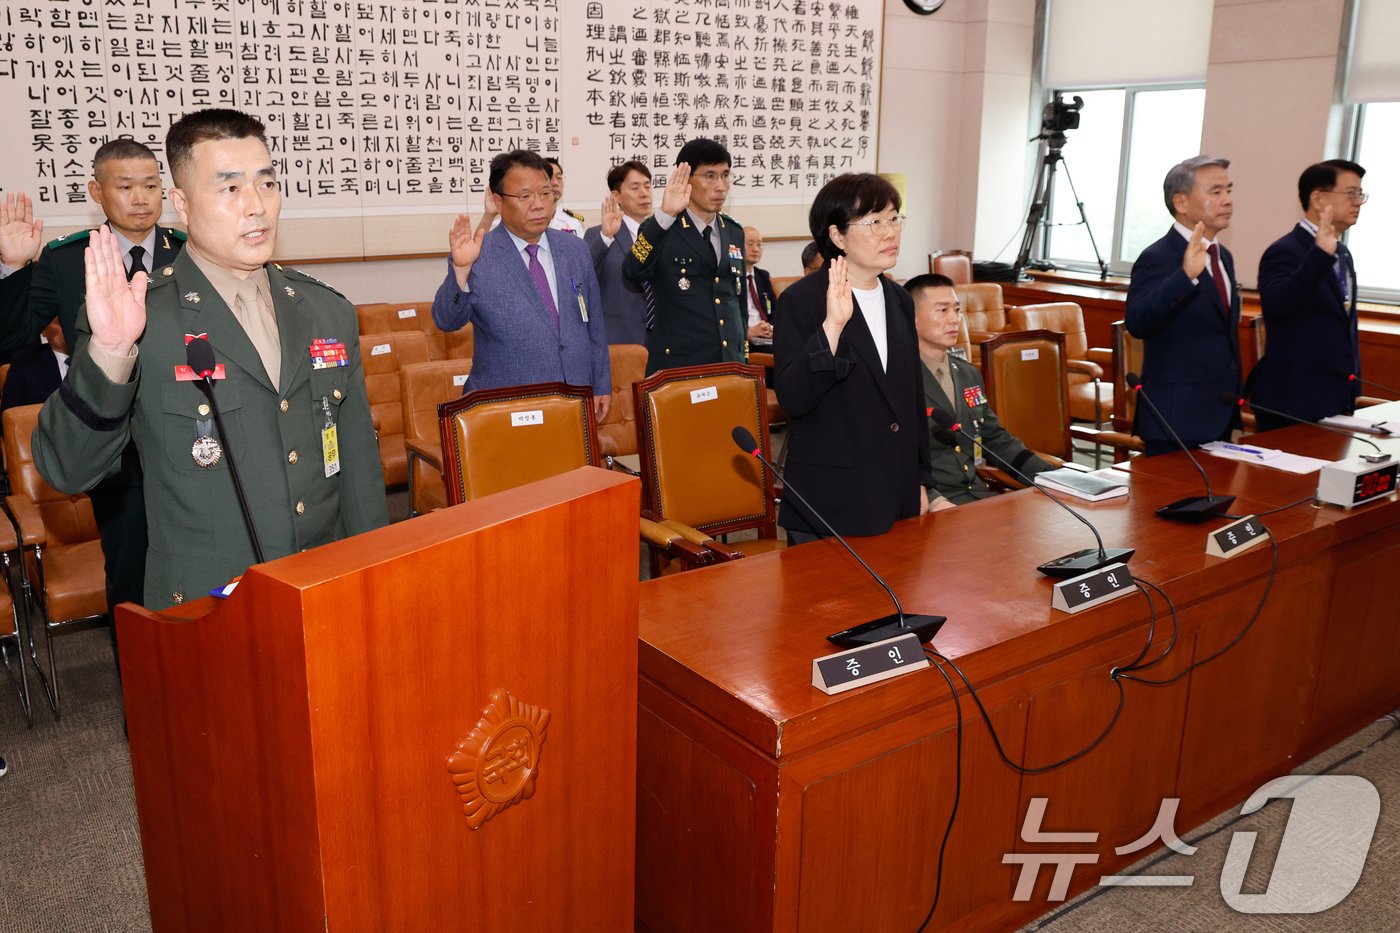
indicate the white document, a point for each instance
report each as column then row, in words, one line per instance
column 1265, row 456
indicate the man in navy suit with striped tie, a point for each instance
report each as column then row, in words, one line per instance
column 1184, row 304
column 1307, row 288
column 529, row 292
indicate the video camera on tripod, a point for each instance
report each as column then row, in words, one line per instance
column 1057, row 118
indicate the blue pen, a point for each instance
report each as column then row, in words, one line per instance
column 1248, row 451
column 578, row 292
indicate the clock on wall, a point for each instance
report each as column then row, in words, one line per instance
column 925, row 7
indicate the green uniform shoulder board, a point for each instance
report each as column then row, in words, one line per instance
column 77, row 236
column 176, row 233
column 162, row 276
column 730, row 218
column 298, row 275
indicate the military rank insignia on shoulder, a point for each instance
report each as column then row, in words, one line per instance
column 574, row 214
column 77, row 236
column 297, row 274
column 169, row 235
column 641, row 248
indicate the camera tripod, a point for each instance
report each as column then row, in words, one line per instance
column 1044, row 192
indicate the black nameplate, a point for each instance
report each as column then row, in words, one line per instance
column 870, row 664
column 1091, row 589
column 1236, row 537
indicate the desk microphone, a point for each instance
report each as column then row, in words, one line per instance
column 1193, row 509
column 901, row 623
column 1071, row 565
column 1380, row 456
column 199, row 354
column 1348, row 376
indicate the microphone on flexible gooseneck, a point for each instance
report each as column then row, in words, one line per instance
column 867, row 633
column 1071, row 565
column 199, row 354
column 1193, row 509
column 1347, row 375
column 1230, row 398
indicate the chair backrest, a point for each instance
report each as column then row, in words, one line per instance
column 1127, row 358
column 781, row 282
column 964, row 339
column 388, row 317
column 1063, row 317
column 425, row 386
column 383, row 356
column 982, row 306
column 1024, row 374
column 497, row 439
column 956, row 264
column 67, row 519
column 692, row 471
column 617, row 433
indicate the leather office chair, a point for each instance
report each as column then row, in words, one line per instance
column 1127, row 358
column 1089, row 395
column 781, row 282
column 13, row 644
column 956, row 264
column 497, row 439
column 776, row 416
column 1024, row 375
column 695, row 481
column 984, row 312
column 617, row 433
column 425, row 386
column 383, row 356
column 64, row 572
column 390, row 317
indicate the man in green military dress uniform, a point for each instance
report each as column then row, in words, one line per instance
column 290, row 384
column 689, row 259
column 126, row 184
column 954, row 385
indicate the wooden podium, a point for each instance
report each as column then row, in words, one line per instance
column 428, row 725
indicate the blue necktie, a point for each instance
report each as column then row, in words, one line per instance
column 1340, row 268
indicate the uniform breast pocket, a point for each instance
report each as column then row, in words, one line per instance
column 190, row 436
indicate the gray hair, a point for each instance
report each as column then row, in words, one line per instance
column 1181, row 179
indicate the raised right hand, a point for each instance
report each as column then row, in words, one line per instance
column 1195, row 262
column 21, row 236
column 116, row 308
column 840, row 306
column 677, row 194
column 464, row 244
column 1326, row 238
column 612, row 216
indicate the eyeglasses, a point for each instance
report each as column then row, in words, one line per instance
column 1352, row 194
column 882, row 224
column 530, row 197
column 710, row 178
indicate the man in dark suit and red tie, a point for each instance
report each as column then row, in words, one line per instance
column 1307, row 288
column 1184, row 304
column 760, row 297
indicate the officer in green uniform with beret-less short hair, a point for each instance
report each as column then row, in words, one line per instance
column 290, row 385
column 690, row 256
column 954, row 385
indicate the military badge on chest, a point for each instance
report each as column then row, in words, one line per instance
column 206, row 451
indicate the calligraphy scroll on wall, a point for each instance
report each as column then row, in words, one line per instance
column 383, row 116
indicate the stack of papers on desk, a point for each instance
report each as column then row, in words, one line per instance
column 1360, row 422
column 1265, row 456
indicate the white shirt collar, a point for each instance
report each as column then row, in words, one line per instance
column 1187, row 232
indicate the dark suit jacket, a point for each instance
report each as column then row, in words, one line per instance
column 33, row 377
column 858, row 434
column 700, row 311
column 764, row 283
column 1190, row 344
column 14, row 297
column 59, row 287
column 515, row 342
column 624, row 305
column 1311, row 338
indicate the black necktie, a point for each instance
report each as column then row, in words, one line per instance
column 137, row 252
column 710, row 243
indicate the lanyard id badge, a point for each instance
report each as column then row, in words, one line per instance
column 330, row 442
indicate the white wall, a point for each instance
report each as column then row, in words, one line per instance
column 1271, row 109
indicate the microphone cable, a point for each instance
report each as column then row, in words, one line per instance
column 933, row 656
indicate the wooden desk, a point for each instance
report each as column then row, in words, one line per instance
column 764, row 804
